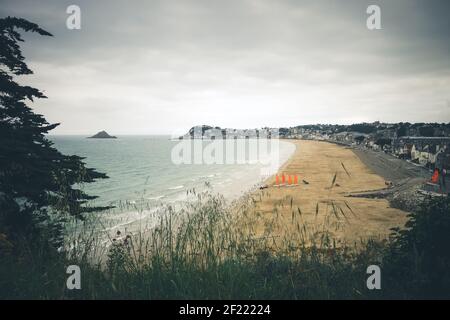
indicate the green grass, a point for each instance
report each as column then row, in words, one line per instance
column 201, row 251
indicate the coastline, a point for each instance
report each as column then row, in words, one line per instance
column 324, row 207
column 321, row 209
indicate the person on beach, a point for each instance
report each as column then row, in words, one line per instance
column 435, row 176
column 443, row 177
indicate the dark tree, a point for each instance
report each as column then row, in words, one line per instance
column 362, row 127
column 426, row 131
column 359, row 139
column 419, row 258
column 383, row 141
column 402, row 130
column 37, row 190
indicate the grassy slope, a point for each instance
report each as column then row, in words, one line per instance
column 209, row 256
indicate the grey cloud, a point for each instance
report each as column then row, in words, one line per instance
column 245, row 63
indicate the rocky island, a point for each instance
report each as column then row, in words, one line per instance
column 102, row 135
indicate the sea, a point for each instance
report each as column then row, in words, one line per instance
column 151, row 171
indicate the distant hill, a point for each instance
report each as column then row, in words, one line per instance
column 210, row 132
column 198, row 131
column 102, row 135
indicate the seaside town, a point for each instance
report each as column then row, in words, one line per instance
column 414, row 158
column 425, row 144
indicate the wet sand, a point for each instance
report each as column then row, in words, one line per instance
column 391, row 168
column 322, row 206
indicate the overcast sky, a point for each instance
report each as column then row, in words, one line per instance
column 161, row 67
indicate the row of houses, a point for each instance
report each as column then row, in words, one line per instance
column 432, row 152
column 424, row 144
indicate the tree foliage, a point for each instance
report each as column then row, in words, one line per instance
column 383, row 141
column 37, row 182
column 419, row 258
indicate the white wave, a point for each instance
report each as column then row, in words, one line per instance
column 176, row 188
column 156, row 198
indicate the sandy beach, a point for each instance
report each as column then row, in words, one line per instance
column 322, row 206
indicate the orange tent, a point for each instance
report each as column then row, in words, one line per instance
column 435, row 177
